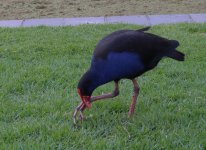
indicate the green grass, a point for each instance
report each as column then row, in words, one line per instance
column 40, row 68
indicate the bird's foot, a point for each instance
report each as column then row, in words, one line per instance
column 81, row 116
column 79, row 109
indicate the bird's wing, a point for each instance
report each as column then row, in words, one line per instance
column 133, row 41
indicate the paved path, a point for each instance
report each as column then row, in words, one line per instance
column 146, row 20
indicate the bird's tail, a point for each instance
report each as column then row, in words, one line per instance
column 176, row 55
column 173, row 53
column 143, row 29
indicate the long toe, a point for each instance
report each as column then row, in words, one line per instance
column 74, row 120
column 81, row 116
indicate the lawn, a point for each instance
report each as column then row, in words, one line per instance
column 25, row 9
column 39, row 71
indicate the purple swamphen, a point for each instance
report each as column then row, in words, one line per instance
column 123, row 54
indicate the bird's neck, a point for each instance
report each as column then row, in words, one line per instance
column 89, row 82
column 96, row 79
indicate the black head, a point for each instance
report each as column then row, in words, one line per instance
column 85, row 84
column 84, row 88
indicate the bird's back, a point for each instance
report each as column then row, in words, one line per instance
column 146, row 45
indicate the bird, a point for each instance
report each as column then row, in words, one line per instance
column 123, row 54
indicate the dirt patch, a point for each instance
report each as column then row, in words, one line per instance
column 24, row 9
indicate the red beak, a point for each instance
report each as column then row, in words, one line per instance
column 85, row 99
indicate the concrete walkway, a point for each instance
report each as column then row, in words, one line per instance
column 146, row 20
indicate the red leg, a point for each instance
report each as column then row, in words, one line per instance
column 134, row 99
column 78, row 109
column 109, row 95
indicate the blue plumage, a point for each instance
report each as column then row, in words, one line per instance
column 116, row 66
